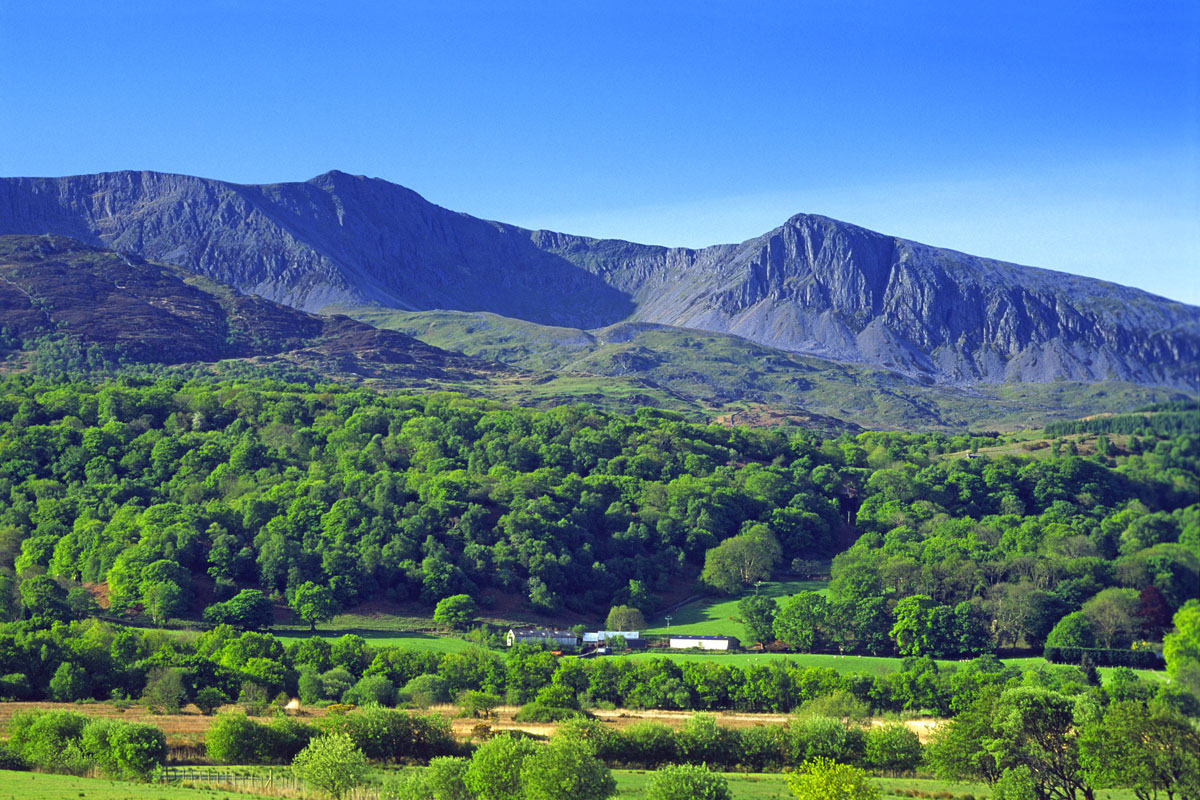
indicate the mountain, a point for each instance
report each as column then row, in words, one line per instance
column 730, row 378
column 129, row 310
column 814, row 285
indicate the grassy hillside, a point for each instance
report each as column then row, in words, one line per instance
column 718, row 616
column 700, row 371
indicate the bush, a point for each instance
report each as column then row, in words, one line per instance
column 309, row 687
column 209, row 699
column 825, row 779
column 540, row 712
column 457, row 612
column 687, row 782
column 822, row 737
column 165, row 691
column 1101, row 657
column 234, row 738
column 331, row 764
column 389, row 735
column 650, row 744
column 48, row 740
column 566, row 768
column 371, row 690
column 495, row 769
column 135, row 750
column 336, row 682
column 893, row 747
column 70, row 683
column 11, row 760
column 424, row 691
column 442, row 780
column 15, row 686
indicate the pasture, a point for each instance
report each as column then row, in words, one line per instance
column 409, row 640
column 39, row 786
column 715, row 616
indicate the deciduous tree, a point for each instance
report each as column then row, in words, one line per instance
column 331, row 764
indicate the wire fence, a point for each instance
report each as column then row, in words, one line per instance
column 269, row 783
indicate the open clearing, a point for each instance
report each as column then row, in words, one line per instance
column 409, row 640
column 37, row 786
column 716, row 616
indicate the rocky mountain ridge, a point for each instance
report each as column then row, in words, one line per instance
column 136, row 311
column 814, row 285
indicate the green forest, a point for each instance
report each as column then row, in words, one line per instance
column 188, row 497
column 157, row 500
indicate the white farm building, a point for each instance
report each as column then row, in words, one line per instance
column 600, row 636
column 541, row 636
column 683, row 642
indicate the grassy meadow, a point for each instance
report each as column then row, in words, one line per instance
column 39, row 786
column 409, row 640
column 716, row 616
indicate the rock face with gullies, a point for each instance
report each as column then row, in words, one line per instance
column 814, row 285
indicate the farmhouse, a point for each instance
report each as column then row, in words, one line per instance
column 600, row 636
column 703, row 642
column 541, row 636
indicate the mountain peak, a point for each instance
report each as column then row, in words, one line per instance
column 814, row 285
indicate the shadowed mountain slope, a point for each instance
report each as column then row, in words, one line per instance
column 145, row 312
column 813, row 285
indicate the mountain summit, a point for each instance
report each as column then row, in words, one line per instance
column 813, row 285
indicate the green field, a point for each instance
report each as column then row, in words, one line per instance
column 410, row 640
column 763, row 786
column 37, row 786
column 715, row 616
column 843, row 664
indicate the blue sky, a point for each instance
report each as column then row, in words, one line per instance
column 1062, row 135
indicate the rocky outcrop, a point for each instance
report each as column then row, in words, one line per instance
column 813, row 285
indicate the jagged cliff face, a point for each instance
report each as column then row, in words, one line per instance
column 814, row 285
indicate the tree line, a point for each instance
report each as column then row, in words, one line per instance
column 221, row 499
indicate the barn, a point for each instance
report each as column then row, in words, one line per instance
column 682, row 642
column 600, row 636
column 541, row 636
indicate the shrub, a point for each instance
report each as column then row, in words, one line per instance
column 893, row 747
column 136, row 750
column 15, row 686
column 687, row 782
column 539, row 712
column 371, row 690
column 69, row 683
column 11, row 760
column 443, row 780
column 331, row 764
column 1101, row 657
column 336, row 682
column 209, row 699
column 49, row 740
column 389, row 735
column 566, row 768
column 424, row 691
column 495, row 769
column 825, row 779
column 164, row 690
column 234, row 738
